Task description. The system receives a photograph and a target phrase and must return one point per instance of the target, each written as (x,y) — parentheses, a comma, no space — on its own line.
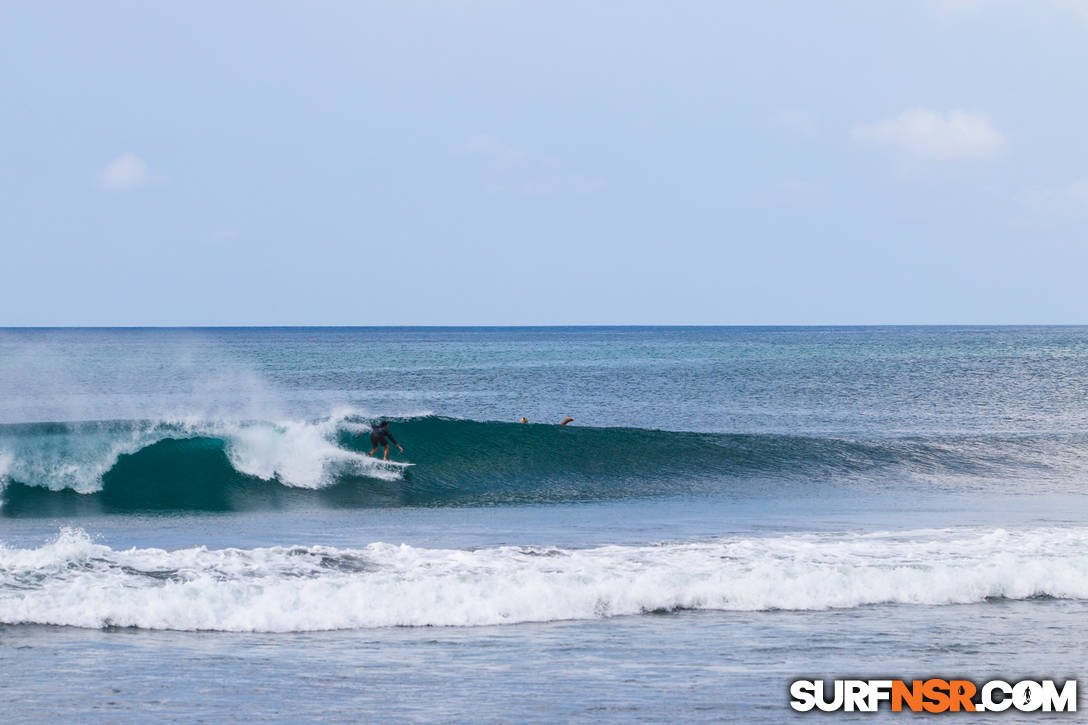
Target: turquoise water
(190,524)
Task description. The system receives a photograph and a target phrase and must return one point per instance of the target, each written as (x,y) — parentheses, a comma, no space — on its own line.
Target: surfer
(380,436)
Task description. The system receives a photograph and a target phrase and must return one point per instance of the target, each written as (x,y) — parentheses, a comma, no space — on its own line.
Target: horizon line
(281,326)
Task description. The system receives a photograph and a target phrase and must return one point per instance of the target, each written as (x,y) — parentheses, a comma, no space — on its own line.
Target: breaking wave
(75,581)
(118,466)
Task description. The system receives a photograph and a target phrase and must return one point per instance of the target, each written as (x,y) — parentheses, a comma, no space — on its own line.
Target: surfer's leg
(375,449)
(385,456)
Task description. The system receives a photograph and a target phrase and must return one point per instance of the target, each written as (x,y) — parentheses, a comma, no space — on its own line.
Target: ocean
(191,529)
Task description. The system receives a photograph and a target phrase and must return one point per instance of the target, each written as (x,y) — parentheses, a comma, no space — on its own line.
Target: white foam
(354,422)
(76,459)
(6,459)
(296,452)
(303,454)
(73,581)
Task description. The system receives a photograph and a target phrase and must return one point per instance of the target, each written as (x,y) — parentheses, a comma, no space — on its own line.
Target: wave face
(74,581)
(119,466)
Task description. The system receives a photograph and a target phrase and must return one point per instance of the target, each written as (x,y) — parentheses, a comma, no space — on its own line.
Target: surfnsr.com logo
(934,695)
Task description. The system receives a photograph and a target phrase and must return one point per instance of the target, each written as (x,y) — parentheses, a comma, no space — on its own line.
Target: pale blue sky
(544,163)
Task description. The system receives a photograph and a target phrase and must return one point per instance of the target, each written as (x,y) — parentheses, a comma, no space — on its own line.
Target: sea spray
(202,464)
(77,455)
(74,581)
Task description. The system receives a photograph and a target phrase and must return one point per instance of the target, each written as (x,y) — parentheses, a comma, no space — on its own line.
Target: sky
(493,163)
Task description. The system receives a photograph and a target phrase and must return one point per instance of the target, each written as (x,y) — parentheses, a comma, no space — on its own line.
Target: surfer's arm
(390,437)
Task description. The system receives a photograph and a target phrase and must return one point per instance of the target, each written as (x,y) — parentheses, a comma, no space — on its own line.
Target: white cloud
(963,7)
(495,151)
(127,171)
(799,121)
(799,192)
(225,234)
(1068,200)
(960,5)
(933,134)
(1080,7)
(508,168)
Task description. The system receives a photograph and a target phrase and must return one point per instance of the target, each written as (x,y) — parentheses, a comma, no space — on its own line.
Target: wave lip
(120,466)
(74,581)
(172,464)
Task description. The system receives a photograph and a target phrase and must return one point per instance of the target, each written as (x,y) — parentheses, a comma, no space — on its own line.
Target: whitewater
(76,455)
(197,464)
(76,582)
(190,522)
